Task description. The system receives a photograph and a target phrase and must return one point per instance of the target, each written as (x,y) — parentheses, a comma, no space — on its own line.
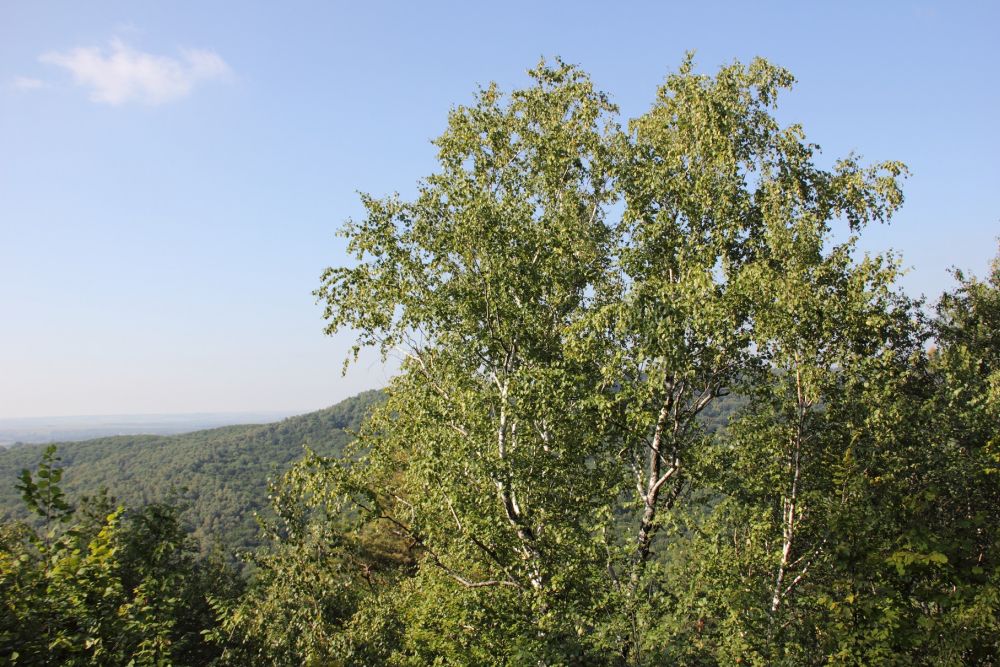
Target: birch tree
(729,282)
(489,453)
(567,298)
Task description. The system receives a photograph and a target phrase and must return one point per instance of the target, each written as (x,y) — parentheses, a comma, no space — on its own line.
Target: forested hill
(219,475)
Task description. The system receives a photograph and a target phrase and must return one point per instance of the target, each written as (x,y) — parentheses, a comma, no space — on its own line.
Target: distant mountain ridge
(219,475)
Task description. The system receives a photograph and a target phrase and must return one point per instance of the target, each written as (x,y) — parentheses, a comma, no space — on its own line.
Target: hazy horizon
(151,415)
(69,428)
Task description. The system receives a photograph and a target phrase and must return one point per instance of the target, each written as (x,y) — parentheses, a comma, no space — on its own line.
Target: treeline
(551,479)
(217,478)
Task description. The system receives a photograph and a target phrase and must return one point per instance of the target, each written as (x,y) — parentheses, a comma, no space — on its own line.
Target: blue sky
(172,174)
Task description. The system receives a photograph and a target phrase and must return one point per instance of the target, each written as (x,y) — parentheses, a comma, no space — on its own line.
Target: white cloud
(27,83)
(122,74)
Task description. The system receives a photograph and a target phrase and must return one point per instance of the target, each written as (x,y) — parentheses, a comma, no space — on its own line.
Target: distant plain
(35,430)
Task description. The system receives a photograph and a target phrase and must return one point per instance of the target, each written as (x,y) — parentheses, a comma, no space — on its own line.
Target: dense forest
(217,477)
(653,409)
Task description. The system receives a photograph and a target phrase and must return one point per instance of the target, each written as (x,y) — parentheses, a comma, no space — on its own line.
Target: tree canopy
(569,295)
